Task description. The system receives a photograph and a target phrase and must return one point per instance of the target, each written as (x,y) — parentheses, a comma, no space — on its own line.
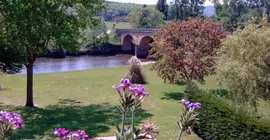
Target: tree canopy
(235,13)
(29,26)
(184,9)
(244,64)
(145,18)
(163,7)
(117,9)
(186,50)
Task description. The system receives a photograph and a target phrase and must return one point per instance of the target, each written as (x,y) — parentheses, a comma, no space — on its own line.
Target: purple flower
(60,132)
(66,134)
(185,102)
(124,84)
(13,120)
(138,91)
(191,106)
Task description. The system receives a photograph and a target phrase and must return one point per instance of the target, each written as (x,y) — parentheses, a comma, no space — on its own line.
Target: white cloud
(207,3)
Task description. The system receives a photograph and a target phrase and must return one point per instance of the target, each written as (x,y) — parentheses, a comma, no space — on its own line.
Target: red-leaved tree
(186,50)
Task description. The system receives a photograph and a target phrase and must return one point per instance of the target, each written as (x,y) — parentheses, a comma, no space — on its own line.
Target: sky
(207,3)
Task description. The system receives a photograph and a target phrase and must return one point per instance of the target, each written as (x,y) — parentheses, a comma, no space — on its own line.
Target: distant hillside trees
(145,18)
(184,9)
(117,9)
(233,14)
(163,7)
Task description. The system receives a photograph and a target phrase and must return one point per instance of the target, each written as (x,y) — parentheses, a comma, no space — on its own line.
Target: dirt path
(148,63)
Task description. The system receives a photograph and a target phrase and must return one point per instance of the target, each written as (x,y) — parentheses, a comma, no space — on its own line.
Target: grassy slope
(98,112)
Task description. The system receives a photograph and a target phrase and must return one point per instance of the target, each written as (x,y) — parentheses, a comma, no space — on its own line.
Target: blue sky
(207,3)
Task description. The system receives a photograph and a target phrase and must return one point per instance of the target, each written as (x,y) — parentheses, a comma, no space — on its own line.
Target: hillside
(118,10)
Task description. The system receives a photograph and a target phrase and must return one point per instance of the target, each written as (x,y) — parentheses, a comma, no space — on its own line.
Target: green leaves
(244,65)
(145,18)
(34,24)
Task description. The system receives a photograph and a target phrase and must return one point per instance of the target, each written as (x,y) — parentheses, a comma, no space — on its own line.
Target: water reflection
(48,65)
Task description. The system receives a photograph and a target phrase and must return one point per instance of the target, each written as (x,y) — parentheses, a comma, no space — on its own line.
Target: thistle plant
(147,130)
(135,71)
(65,134)
(9,124)
(188,118)
(131,97)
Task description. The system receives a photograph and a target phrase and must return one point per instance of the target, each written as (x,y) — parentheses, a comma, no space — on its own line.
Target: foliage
(10,60)
(31,26)
(188,118)
(145,18)
(131,97)
(163,7)
(232,14)
(95,36)
(185,9)
(186,50)
(244,64)
(9,124)
(119,9)
(135,72)
(219,119)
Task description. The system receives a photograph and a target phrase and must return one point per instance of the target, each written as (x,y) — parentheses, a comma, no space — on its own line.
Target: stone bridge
(136,40)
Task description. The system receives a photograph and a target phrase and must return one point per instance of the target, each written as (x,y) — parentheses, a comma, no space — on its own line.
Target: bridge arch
(128,43)
(144,46)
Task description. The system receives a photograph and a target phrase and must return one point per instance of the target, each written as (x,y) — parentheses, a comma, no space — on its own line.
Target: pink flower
(60,132)
(124,84)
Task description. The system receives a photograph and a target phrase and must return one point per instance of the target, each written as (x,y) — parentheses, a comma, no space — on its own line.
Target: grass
(119,25)
(54,94)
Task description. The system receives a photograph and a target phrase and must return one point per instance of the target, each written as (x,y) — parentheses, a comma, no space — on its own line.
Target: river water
(49,65)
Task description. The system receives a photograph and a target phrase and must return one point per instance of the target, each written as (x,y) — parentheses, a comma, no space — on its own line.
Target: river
(49,65)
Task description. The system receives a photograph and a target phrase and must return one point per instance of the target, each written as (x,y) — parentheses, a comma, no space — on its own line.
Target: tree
(145,18)
(244,64)
(235,13)
(31,25)
(163,7)
(184,9)
(186,50)
(10,60)
(95,36)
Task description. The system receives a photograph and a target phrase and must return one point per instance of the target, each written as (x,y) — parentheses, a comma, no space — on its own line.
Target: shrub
(186,50)
(219,120)
(244,64)
(135,72)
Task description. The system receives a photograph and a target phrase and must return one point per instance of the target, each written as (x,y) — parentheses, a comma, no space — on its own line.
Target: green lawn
(119,25)
(54,92)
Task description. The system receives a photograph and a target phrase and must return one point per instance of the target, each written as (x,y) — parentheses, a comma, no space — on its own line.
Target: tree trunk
(29,92)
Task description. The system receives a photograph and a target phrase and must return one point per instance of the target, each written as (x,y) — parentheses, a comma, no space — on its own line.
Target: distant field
(119,25)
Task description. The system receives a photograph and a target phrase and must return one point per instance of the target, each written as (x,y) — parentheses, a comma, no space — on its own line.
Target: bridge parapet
(139,30)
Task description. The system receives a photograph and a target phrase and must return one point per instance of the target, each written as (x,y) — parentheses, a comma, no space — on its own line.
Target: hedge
(221,120)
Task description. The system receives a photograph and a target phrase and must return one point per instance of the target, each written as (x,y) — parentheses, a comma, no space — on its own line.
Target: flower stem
(123,122)
(132,123)
(180,134)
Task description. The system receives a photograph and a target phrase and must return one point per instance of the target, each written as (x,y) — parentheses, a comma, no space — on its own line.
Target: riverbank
(55,93)
(107,49)
(84,62)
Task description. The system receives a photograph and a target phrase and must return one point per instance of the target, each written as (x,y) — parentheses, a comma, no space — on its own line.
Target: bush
(244,64)
(135,72)
(219,120)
